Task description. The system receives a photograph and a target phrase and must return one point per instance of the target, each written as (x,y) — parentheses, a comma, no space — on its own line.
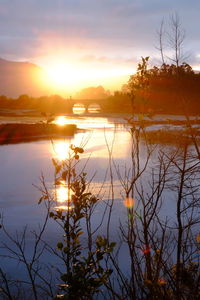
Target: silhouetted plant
(85,269)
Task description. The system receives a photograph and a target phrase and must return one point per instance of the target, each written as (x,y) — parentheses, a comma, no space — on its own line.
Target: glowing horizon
(63,77)
(88,43)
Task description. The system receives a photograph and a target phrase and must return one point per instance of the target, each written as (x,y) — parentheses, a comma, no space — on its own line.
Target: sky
(93,42)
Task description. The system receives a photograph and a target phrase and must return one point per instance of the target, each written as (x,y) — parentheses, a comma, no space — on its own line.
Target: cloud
(101,30)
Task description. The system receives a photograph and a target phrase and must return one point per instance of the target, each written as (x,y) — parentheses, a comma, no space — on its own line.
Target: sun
(62,76)
(66,77)
(59,74)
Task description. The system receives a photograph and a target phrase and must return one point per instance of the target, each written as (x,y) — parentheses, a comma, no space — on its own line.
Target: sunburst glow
(59,74)
(66,76)
(62,75)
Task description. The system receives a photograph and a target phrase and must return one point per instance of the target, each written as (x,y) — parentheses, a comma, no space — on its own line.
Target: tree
(138,85)
(93,93)
(172,40)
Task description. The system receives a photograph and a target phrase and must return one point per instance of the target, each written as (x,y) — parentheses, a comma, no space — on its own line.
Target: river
(23,164)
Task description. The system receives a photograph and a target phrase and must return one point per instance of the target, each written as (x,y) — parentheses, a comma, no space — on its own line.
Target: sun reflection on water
(61,149)
(61,120)
(85,122)
(62,207)
(93,143)
(79,109)
(62,194)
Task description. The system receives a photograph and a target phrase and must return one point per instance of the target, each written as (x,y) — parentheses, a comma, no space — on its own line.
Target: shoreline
(18,133)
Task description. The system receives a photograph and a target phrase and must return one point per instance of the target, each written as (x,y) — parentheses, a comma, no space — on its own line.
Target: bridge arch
(78,108)
(94,108)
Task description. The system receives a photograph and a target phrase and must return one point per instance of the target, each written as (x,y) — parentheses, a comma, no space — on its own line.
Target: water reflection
(78,109)
(95,142)
(60,149)
(62,194)
(61,120)
(18,200)
(62,207)
(85,122)
(94,108)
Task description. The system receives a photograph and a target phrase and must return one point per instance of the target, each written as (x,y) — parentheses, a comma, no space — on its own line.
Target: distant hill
(17,78)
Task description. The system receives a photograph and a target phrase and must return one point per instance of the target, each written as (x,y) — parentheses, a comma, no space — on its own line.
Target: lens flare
(129,202)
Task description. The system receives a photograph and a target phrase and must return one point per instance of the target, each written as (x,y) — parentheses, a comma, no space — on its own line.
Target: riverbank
(18,133)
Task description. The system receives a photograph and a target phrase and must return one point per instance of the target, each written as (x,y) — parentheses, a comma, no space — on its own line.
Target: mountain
(17,78)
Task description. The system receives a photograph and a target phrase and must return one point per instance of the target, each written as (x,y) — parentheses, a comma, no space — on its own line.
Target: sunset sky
(90,42)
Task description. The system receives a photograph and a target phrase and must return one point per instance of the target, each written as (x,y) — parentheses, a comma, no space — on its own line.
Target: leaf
(58,181)
(79,233)
(59,245)
(58,168)
(112,245)
(80,150)
(64,175)
(66,249)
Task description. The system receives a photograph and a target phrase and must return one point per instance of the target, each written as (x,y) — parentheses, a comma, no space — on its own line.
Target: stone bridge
(86,105)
